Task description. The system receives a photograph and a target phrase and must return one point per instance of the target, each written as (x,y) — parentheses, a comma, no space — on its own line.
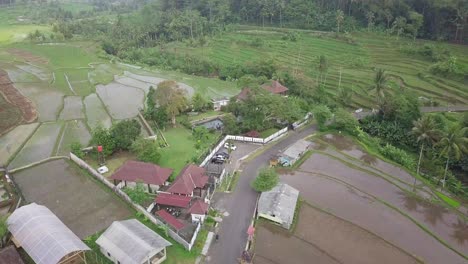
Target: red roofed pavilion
(199,210)
(190,177)
(148,173)
(173,200)
(275,88)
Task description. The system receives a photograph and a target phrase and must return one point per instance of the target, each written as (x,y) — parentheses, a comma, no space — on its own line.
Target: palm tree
(426,133)
(453,143)
(339,19)
(380,84)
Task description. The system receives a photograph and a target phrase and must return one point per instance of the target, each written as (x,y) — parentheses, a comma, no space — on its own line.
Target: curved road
(241,203)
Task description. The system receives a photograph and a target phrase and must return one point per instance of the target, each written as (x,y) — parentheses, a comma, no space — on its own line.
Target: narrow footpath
(241,204)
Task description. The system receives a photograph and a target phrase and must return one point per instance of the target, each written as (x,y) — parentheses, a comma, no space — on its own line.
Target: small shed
(131,242)
(199,210)
(9,255)
(44,237)
(218,103)
(279,204)
(295,151)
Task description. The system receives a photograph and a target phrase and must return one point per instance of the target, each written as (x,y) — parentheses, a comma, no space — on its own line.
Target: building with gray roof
(131,242)
(279,204)
(295,151)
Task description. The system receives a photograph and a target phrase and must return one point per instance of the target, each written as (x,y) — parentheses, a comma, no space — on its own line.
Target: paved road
(241,204)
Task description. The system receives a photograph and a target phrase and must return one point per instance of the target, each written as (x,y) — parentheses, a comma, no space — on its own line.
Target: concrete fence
(137,207)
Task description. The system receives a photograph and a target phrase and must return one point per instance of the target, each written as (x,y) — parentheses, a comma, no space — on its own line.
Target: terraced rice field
(48,102)
(73,108)
(73,131)
(344,180)
(121,101)
(352,63)
(40,146)
(95,112)
(11,142)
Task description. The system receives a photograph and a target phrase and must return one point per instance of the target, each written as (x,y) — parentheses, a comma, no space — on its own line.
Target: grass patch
(448,200)
(204,115)
(181,150)
(113,162)
(268,132)
(234,181)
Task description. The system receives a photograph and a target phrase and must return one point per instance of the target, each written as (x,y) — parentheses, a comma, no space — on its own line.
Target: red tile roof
(199,207)
(170,220)
(190,177)
(275,87)
(173,200)
(134,171)
(244,94)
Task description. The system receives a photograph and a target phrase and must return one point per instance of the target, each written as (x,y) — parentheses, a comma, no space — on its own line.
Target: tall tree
(322,68)
(171,98)
(426,133)
(399,25)
(454,143)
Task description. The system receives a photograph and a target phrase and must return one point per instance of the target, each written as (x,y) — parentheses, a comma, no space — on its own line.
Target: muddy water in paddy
(363,210)
(348,147)
(444,223)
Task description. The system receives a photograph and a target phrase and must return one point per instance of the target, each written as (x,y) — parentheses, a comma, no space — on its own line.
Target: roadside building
(190,182)
(279,205)
(131,242)
(44,237)
(9,255)
(151,175)
(275,87)
(198,211)
(294,152)
(218,103)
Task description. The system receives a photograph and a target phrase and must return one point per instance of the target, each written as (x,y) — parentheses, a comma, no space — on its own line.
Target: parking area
(81,203)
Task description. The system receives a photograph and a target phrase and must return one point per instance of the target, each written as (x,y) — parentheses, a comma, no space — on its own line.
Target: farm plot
(40,73)
(28,56)
(48,102)
(352,205)
(74,131)
(326,239)
(96,113)
(443,222)
(17,75)
(10,115)
(11,142)
(73,108)
(40,146)
(121,101)
(74,81)
(154,81)
(79,201)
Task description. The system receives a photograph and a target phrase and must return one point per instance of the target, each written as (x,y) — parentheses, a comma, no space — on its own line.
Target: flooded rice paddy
(74,131)
(95,112)
(121,101)
(13,140)
(48,102)
(320,237)
(375,195)
(72,109)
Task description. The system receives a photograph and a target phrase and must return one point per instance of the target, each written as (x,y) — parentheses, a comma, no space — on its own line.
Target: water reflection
(460,232)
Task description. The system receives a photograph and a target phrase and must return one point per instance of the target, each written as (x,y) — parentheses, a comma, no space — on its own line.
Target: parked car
(230,146)
(218,159)
(223,153)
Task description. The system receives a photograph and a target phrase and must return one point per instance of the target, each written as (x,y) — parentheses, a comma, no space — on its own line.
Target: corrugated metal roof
(297,149)
(131,242)
(42,235)
(280,202)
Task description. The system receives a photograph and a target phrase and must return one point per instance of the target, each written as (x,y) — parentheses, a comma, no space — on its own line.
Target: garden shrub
(398,155)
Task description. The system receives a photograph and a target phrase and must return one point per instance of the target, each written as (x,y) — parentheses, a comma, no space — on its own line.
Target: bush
(266,180)
(345,121)
(147,150)
(398,155)
(137,194)
(102,137)
(321,113)
(76,148)
(124,133)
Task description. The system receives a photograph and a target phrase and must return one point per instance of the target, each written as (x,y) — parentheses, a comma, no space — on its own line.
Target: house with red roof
(245,93)
(275,87)
(199,210)
(191,181)
(151,175)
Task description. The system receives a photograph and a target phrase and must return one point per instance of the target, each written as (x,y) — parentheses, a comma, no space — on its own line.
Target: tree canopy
(172,98)
(265,181)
